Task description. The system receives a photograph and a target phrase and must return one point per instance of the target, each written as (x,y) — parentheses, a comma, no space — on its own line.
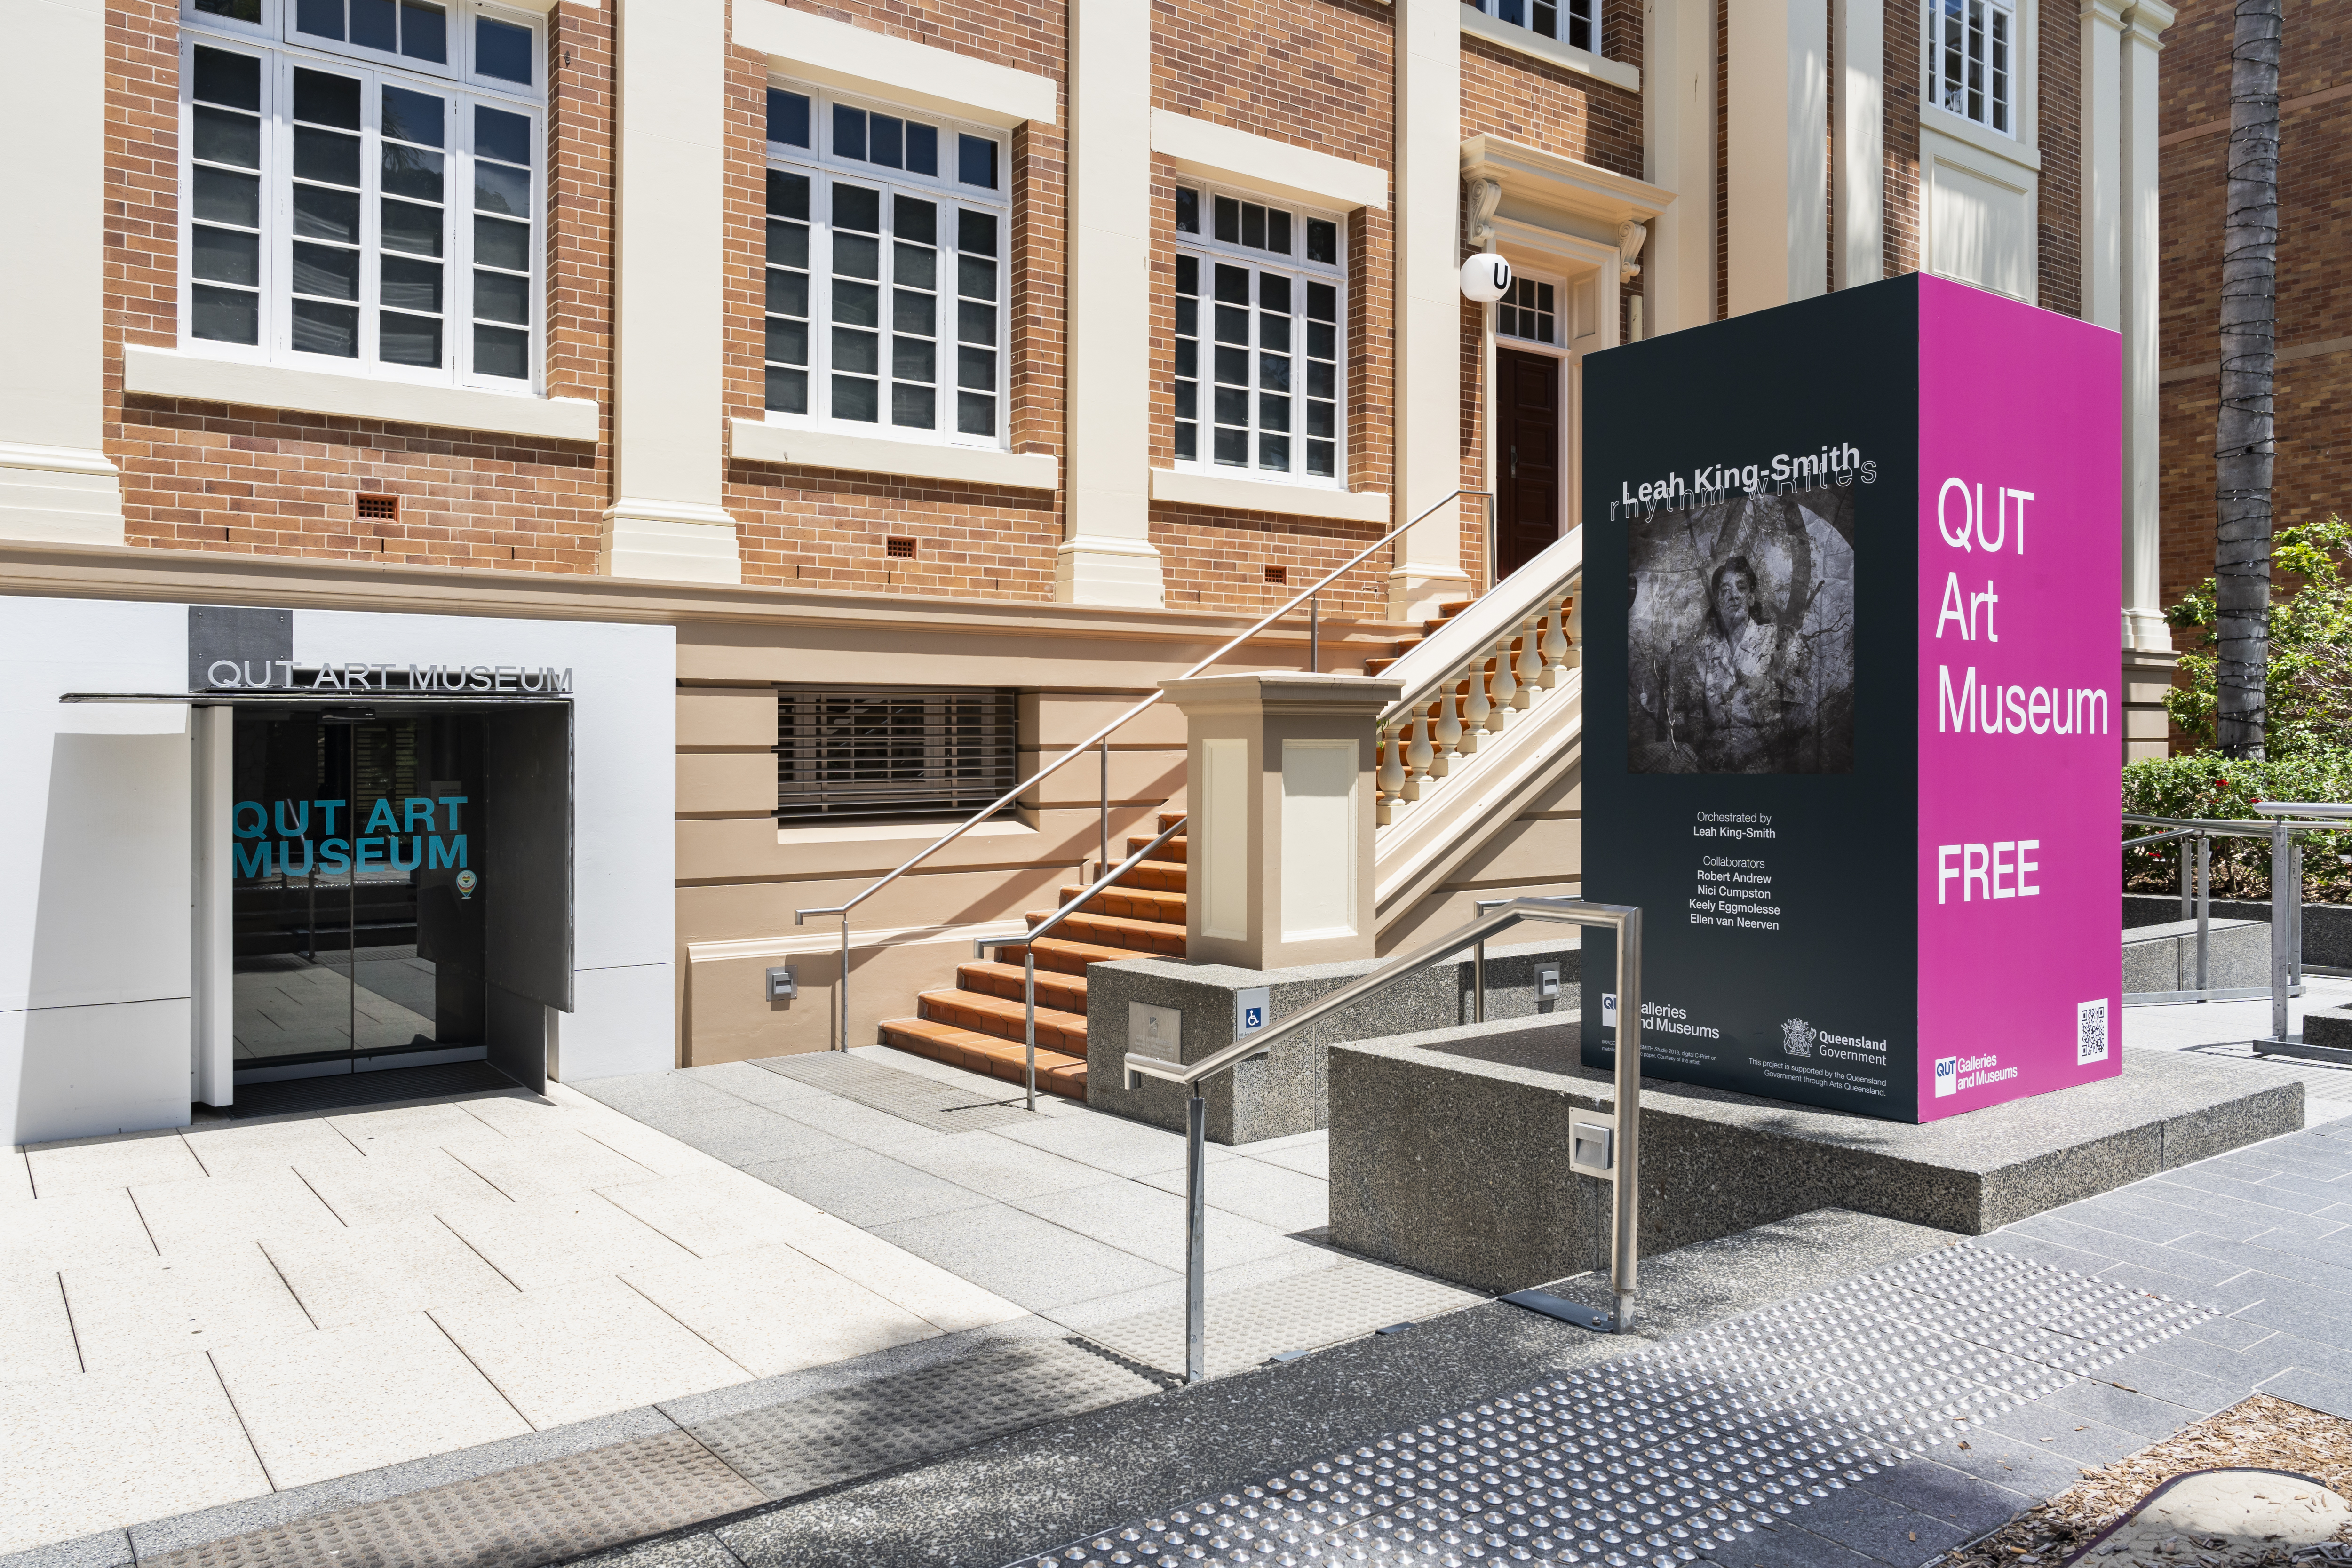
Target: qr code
(2090,1031)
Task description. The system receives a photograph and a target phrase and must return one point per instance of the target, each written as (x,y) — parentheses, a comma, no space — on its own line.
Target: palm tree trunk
(2243,444)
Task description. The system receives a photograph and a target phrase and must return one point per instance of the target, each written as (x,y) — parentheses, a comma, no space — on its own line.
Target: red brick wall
(200,475)
(2058,132)
(2312,397)
(819,527)
(1317,75)
(1902,134)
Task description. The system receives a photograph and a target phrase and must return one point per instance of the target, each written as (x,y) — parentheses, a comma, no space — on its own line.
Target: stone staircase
(1445,612)
(979,1025)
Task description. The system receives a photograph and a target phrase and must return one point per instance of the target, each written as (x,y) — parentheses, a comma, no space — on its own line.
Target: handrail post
(2279,930)
(1314,635)
(844,987)
(2204,908)
(1625,1224)
(1105,803)
(1478,982)
(1029,994)
(1196,1240)
(2188,904)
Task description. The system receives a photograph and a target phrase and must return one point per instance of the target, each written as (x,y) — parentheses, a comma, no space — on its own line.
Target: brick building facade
(888,349)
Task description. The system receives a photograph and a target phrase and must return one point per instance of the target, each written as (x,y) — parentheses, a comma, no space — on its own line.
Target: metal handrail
(980,945)
(1102,737)
(1621,1127)
(2286,898)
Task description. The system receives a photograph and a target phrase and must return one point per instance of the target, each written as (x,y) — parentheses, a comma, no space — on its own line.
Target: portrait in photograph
(1741,637)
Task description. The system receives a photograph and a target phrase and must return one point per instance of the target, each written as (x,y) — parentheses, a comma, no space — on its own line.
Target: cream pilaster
(1861,143)
(2143,582)
(1107,556)
(668,519)
(56,483)
(1428,305)
(1776,127)
(2102,177)
(1678,153)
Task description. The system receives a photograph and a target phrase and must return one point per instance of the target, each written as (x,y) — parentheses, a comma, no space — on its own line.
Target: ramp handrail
(980,945)
(1102,738)
(1620,1129)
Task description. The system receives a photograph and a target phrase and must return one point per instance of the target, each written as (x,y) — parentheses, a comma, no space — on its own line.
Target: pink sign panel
(2019,708)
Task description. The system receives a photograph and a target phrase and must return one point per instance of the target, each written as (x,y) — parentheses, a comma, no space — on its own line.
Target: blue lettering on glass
(368,853)
(415,854)
(413,806)
(327,808)
(286,865)
(253,861)
(381,819)
(260,819)
(334,856)
(453,802)
(443,852)
(301,818)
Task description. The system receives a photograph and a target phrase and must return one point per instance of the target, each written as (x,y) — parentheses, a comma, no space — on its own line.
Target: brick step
(1140,939)
(1130,904)
(1374,665)
(1170,853)
(1066,992)
(1453,607)
(1169,819)
(1062,955)
(1057,1073)
(1163,875)
(1004,1018)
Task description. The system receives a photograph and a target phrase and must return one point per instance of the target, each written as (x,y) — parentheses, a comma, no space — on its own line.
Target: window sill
(758,441)
(1273,496)
(167,372)
(1960,128)
(1552,51)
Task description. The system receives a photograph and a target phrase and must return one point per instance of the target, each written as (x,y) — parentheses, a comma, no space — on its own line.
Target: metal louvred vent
(849,751)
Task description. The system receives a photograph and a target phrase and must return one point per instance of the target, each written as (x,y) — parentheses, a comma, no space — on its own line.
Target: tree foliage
(2211,786)
(2308,697)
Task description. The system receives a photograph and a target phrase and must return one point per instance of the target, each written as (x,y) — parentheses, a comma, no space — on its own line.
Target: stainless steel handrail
(2286,897)
(980,945)
(1622,1123)
(1102,736)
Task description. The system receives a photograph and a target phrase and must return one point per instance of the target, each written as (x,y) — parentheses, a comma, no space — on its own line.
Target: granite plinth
(1449,1151)
(1282,1092)
(2327,928)
(2164,957)
(2329,1026)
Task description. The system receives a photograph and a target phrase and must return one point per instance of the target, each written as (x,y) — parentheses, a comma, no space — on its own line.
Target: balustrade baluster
(1417,754)
(1530,663)
(1449,734)
(1504,690)
(1474,709)
(1555,644)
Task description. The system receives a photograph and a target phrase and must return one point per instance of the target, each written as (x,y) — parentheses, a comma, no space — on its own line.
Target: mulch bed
(2260,1433)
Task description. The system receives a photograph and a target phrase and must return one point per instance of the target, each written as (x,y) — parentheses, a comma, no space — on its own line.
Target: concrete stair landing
(981,1025)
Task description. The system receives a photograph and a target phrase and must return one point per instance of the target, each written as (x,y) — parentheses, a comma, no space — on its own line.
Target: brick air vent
(1280,574)
(386,508)
(902,548)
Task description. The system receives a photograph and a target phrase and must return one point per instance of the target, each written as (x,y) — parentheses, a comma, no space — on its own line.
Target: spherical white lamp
(1486,277)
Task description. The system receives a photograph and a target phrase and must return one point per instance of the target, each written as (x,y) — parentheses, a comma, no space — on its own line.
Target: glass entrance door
(358,939)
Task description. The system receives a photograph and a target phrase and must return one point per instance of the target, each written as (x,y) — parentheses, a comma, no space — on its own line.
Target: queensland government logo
(1797,1037)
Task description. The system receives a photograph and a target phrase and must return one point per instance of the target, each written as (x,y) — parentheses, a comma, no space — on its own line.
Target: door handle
(1514,460)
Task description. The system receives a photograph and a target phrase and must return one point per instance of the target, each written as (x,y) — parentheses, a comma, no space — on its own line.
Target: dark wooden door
(1527,451)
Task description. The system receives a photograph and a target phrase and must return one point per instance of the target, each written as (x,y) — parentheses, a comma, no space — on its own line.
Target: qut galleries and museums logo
(1797,1037)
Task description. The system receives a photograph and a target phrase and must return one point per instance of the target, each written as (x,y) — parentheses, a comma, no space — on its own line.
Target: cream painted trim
(167,372)
(1576,251)
(888,832)
(1552,51)
(761,441)
(1185,489)
(835,53)
(807,943)
(1960,128)
(547,8)
(1277,168)
(1580,189)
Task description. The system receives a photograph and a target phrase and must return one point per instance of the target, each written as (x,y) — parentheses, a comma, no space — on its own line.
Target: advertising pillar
(1852,725)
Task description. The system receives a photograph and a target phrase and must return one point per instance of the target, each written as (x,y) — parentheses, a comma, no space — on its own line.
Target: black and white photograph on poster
(1740,637)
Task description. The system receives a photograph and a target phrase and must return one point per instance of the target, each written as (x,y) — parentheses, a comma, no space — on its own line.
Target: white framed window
(362,188)
(1261,299)
(1972,60)
(1529,312)
(887,238)
(1570,21)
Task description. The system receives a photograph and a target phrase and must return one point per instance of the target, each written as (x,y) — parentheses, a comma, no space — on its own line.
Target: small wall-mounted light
(1486,277)
(782,986)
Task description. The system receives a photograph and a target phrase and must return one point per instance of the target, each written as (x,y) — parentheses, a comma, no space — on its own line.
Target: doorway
(1526,453)
(358,939)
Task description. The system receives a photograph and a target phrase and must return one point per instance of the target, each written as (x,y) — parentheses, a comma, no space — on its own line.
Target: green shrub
(2205,784)
(2308,702)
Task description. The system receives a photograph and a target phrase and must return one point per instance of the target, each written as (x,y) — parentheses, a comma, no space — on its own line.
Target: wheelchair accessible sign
(1251,1008)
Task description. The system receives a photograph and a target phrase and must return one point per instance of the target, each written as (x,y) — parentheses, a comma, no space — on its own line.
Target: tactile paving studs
(1674,1450)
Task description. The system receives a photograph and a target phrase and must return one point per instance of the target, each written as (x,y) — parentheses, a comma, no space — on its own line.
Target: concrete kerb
(2327,928)
(1284,1092)
(1447,1153)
